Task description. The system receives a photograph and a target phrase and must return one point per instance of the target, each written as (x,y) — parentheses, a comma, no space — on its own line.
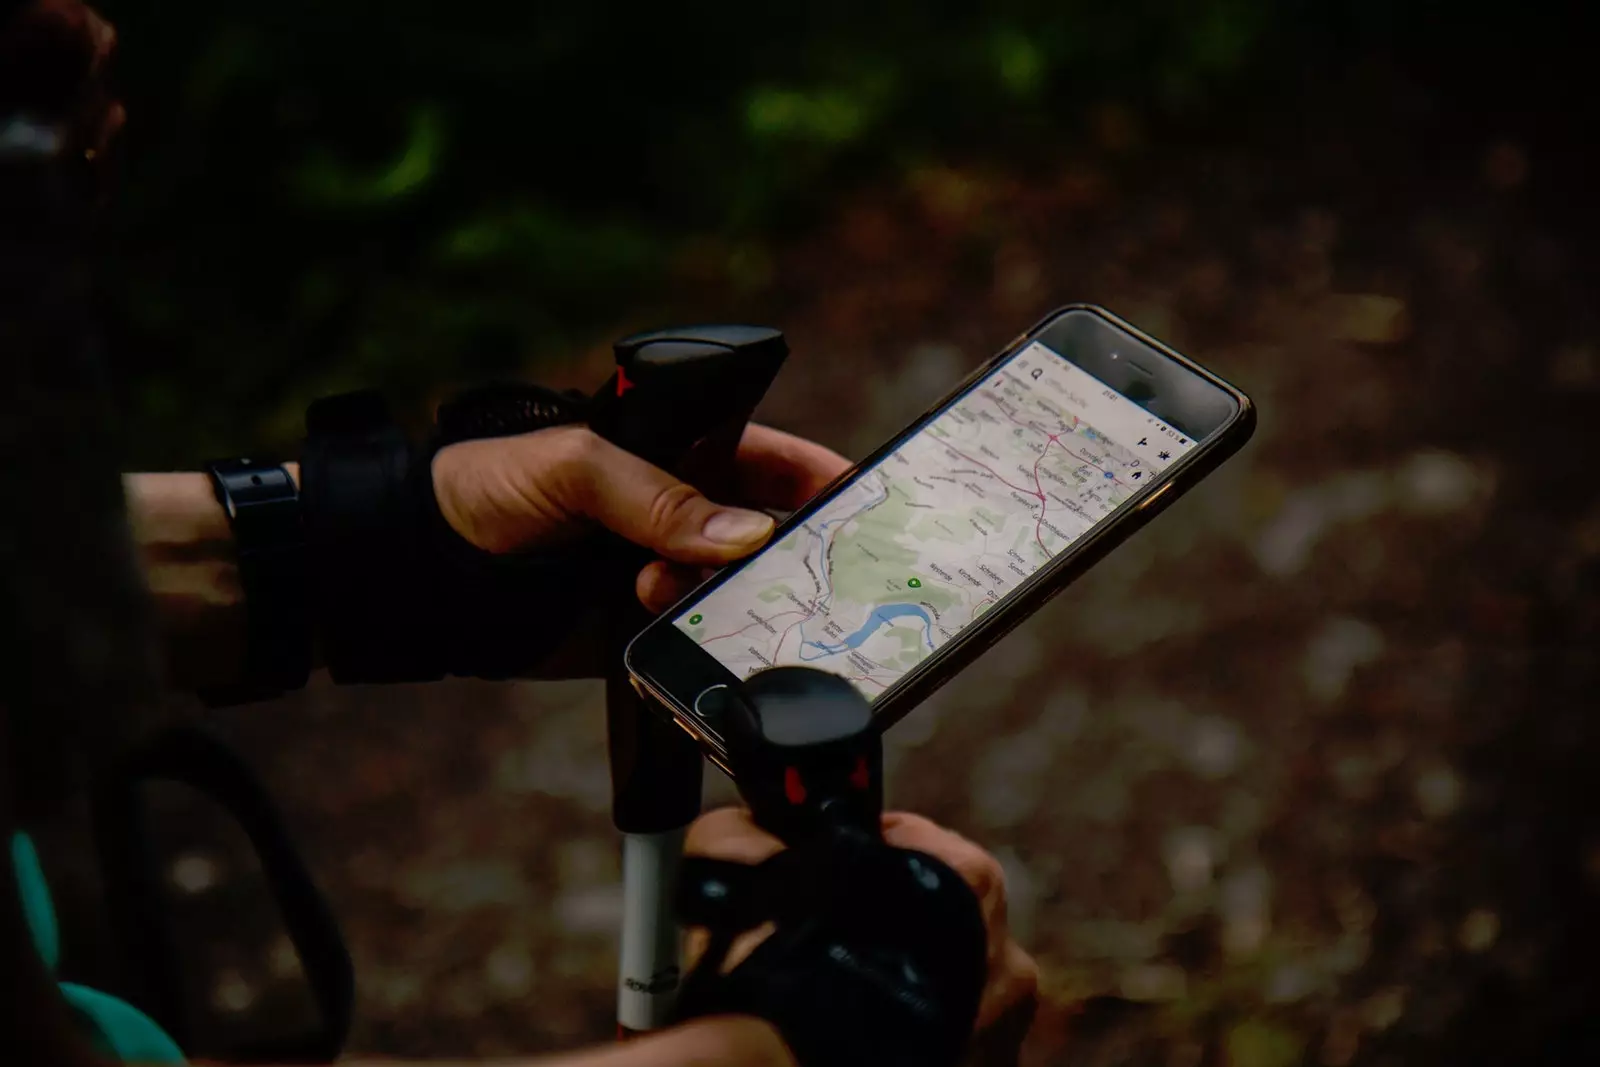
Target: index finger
(779,470)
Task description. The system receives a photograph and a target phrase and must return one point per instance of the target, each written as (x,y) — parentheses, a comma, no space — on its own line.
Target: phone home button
(711,704)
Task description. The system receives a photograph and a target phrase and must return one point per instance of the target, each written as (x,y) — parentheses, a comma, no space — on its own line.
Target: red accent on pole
(793,787)
(623,385)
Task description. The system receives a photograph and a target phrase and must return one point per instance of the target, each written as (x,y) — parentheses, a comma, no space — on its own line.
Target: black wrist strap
(263,508)
(397,594)
(371,592)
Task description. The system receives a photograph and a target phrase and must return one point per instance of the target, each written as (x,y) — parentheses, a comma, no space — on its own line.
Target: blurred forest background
(1301,775)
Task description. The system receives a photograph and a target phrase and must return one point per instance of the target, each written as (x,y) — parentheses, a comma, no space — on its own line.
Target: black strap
(372,593)
(399,595)
(262,503)
(505,409)
(131,869)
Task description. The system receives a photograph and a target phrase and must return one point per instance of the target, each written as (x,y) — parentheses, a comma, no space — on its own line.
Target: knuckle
(730,834)
(906,829)
(670,505)
(570,449)
(1028,975)
(565,460)
(1022,973)
(981,871)
(985,874)
(715,826)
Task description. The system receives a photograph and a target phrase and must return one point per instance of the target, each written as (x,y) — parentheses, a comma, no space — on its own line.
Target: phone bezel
(669,667)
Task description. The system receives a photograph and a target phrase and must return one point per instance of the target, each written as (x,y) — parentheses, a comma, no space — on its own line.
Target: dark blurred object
(55,63)
(140,909)
(79,653)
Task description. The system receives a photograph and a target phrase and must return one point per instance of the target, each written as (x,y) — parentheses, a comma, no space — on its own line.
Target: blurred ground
(1299,775)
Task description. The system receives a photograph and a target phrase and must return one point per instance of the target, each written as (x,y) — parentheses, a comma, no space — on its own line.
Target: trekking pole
(877,954)
(674,392)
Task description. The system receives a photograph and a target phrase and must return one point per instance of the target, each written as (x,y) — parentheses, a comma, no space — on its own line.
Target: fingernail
(735,527)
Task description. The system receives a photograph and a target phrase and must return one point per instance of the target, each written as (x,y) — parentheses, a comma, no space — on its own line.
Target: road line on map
(1038,526)
(736,633)
(986,467)
(1064,448)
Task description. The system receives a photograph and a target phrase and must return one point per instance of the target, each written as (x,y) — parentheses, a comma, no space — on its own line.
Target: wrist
(191,565)
(186,549)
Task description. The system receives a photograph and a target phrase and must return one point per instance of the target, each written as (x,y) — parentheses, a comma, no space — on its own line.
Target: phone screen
(941,530)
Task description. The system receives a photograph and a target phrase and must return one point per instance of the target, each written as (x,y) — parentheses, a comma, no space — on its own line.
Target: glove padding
(879,958)
(400,596)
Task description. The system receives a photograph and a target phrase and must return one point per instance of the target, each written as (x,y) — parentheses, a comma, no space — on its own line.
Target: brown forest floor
(1296,776)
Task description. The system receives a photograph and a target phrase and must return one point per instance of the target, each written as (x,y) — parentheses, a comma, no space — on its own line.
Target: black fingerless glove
(397,595)
(879,957)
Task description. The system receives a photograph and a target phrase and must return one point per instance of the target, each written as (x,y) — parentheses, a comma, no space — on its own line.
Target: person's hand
(1013,984)
(512,494)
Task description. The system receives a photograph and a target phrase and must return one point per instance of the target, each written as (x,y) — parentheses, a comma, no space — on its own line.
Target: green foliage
(826,116)
(322,181)
(1020,62)
(407,194)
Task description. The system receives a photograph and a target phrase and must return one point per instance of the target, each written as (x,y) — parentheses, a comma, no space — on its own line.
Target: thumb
(651,508)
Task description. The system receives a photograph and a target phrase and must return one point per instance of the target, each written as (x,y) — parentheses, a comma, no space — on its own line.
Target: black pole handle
(674,392)
(675,388)
(807,754)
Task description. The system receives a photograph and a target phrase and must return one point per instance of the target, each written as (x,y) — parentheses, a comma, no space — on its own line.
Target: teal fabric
(36,906)
(116,1028)
(119,1030)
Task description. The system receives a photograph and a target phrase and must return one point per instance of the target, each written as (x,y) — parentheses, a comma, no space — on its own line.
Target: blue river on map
(878,617)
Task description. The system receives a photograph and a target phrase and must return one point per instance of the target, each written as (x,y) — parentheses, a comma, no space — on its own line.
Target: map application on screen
(941,530)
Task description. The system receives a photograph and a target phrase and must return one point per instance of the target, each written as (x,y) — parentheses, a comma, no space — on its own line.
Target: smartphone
(935,546)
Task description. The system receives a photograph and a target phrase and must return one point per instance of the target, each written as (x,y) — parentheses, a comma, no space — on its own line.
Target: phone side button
(1155,496)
